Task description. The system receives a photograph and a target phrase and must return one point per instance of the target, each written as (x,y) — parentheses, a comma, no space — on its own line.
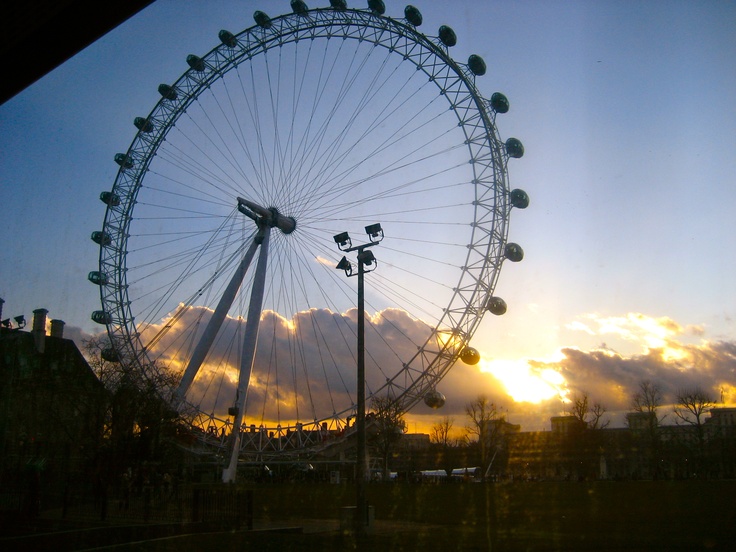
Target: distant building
(413,441)
(643,450)
(640,422)
(722,418)
(566,425)
(502,428)
(53,407)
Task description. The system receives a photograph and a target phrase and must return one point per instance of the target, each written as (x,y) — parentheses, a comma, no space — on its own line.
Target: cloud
(78,335)
(667,359)
(665,353)
(638,327)
(666,356)
(310,359)
(305,367)
(577,325)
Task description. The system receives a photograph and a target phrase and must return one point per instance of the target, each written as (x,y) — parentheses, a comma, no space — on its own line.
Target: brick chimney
(39,329)
(57,328)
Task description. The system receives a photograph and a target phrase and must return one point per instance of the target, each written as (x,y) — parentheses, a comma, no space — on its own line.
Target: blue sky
(626,110)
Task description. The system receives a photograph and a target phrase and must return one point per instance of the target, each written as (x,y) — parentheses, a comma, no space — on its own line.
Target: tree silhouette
(644,422)
(138,409)
(691,405)
(440,431)
(484,423)
(440,436)
(648,399)
(690,408)
(590,416)
(386,426)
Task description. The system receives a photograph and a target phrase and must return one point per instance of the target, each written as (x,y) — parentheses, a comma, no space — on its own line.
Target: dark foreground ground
(545,516)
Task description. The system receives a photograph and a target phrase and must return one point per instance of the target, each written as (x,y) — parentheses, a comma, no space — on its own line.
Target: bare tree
(645,422)
(484,424)
(440,432)
(579,408)
(109,373)
(386,426)
(596,417)
(440,436)
(647,399)
(137,407)
(690,408)
(589,416)
(691,405)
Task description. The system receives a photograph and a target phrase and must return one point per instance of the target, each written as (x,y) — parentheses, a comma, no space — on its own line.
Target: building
(643,450)
(721,419)
(413,441)
(566,425)
(53,409)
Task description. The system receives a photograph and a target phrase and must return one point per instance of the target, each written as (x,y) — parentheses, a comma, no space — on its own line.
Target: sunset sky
(626,111)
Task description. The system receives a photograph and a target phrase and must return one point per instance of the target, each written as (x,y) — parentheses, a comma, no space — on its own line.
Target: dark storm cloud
(307,360)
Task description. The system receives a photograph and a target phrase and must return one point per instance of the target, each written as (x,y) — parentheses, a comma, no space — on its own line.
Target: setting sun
(524,383)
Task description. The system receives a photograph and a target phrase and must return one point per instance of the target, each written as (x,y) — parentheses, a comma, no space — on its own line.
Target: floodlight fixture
(20,321)
(343,240)
(345,265)
(366,257)
(375,232)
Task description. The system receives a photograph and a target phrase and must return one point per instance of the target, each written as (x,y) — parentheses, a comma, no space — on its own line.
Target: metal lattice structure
(299,55)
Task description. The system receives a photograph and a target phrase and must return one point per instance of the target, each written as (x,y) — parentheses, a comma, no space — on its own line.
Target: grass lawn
(647,516)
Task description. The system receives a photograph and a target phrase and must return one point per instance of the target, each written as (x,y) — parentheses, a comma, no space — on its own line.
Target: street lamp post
(366,263)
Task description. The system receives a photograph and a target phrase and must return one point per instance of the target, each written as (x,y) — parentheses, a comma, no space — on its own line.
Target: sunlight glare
(523,383)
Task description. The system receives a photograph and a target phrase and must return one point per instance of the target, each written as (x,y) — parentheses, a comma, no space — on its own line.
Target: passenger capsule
(98,278)
(101,317)
(413,15)
(110,199)
(227,38)
(167,92)
(299,7)
(143,124)
(476,65)
(514,148)
(434,399)
(513,252)
(496,306)
(195,62)
(519,198)
(499,103)
(377,6)
(470,356)
(339,4)
(110,354)
(101,238)
(123,160)
(262,20)
(447,36)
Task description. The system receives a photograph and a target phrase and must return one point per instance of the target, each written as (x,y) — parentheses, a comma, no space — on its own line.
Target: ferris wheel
(227,233)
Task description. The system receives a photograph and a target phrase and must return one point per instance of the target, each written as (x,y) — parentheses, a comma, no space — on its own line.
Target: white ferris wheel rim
(485,154)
